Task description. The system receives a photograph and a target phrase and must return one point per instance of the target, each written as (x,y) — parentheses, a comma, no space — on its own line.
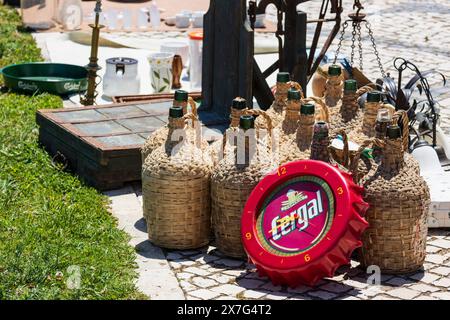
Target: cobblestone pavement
(206,274)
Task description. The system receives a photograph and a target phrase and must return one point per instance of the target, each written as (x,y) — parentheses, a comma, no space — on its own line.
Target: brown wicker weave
(231,184)
(399,200)
(320,142)
(216,147)
(350,116)
(275,112)
(296,134)
(158,137)
(333,91)
(176,193)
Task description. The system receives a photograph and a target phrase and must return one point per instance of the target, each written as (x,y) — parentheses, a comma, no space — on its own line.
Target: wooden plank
(227,53)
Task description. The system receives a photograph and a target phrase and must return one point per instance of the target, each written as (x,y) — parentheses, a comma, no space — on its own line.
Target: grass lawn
(51,225)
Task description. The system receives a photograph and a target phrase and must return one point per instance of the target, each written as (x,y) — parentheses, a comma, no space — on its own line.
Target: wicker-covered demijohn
(244,164)
(176,189)
(399,199)
(157,138)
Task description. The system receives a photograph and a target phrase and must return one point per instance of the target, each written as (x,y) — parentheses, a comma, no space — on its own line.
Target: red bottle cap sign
(302,222)
(296,216)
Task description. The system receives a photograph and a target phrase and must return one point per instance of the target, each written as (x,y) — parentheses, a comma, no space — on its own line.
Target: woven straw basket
(399,200)
(231,185)
(176,195)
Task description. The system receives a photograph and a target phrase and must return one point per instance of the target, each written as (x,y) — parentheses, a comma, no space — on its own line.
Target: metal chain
(375,50)
(353,46)
(360,47)
(341,40)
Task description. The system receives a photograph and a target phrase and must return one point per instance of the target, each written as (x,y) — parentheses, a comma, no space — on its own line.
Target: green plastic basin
(56,78)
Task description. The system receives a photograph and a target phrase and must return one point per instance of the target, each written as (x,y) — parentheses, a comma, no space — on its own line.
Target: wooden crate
(102,144)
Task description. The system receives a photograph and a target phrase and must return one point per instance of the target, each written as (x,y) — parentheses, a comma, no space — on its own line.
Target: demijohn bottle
(176,189)
(399,199)
(244,164)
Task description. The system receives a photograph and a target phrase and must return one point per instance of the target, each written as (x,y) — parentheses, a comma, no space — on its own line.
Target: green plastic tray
(57,78)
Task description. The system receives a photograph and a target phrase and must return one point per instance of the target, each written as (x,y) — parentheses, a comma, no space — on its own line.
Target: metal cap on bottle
(321,130)
(181,96)
(294,94)
(176,112)
(239,103)
(247,122)
(394,132)
(334,70)
(350,85)
(308,109)
(374,96)
(283,77)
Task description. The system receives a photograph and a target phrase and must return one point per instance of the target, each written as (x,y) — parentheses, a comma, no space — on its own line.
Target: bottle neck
(176,123)
(291,117)
(281,96)
(235,117)
(305,131)
(350,107)
(319,146)
(370,118)
(333,90)
(245,150)
(182,104)
(393,156)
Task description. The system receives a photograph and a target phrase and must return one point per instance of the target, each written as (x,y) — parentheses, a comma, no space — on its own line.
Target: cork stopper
(294,94)
(308,109)
(334,70)
(176,112)
(283,77)
(239,103)
(394,132)
(374,96)
(181,96)
(350,85)
(247,122)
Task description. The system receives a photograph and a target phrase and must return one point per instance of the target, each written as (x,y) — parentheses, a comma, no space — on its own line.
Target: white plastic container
(427,157)
(196,53)
(121,77)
